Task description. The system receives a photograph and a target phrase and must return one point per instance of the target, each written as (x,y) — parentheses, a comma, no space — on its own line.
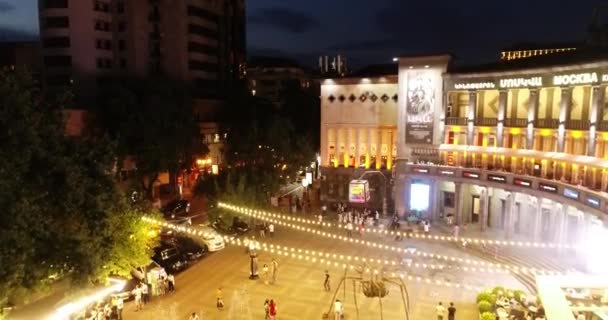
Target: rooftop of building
(272,62)
(539,46)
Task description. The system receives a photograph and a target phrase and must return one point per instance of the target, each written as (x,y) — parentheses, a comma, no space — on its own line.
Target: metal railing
(578,124)
(486,122)
(602,126)
(456,121)
(547,123)
(520,123)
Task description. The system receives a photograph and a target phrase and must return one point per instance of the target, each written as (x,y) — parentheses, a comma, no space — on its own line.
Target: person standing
(440,310)
(451,311)
(265,273)
(137,295)
(144,293)
(263,230)
(119,306)
(324,209)
(271,230)
(326,284)
(266,309)
(349,229)
(171,282)
(456,231)
(427,227)
(320,219)
(219,299)
(274,269)
(272,310)
(193,316)
(337,310)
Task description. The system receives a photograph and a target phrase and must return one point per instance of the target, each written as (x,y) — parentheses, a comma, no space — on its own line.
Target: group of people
(266,227)
(270,309)
(270,274)
(356,220)
(107,309)
(440,310)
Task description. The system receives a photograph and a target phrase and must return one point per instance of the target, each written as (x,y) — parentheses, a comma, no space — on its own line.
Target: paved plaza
(299,290)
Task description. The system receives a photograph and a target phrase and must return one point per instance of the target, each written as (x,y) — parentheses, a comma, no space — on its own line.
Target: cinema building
(519,146)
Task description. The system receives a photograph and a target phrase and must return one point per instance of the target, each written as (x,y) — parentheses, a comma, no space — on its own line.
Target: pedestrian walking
(427,227)
(340,217)
(171,282)
(137,295)
(119,306)
(144,293)
(265,273)
(219,299)
(326,284)
(337,310)
(450,218)
(274,270)
(320,218)
(272,310)
(266,309)
(271,230)
(193,316)
(440,310)
(456,231)
(162,286)
(451,311)
(349,229)
(263,230)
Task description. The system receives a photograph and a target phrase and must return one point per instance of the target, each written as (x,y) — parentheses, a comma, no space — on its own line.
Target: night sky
(373,31)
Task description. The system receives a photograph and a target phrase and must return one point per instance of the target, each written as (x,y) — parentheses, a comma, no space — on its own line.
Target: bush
(499,290)
(488,316)
(487,296)
(519,295)
(484,306)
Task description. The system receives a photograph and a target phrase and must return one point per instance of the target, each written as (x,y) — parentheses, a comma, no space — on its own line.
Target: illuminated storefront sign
(572,194)
(594,202)
(495,178)
(521,82)
(420,170)
(470,175)
(576,78)
(422,91)
(474,85)
(358,191)
(547,187)
(522,183)
(419,199)
(446,172)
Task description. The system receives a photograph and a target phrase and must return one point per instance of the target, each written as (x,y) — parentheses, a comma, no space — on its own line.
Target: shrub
(488,316)
(519,295)
(484,296)
(484,306)
(498,290)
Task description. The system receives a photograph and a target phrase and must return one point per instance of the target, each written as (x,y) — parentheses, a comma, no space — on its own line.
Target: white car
(211,239)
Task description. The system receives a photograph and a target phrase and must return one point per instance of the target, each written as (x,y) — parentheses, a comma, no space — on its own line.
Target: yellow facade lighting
(456,128)
(515,131)
(545,132)
(576,134)
(484,129)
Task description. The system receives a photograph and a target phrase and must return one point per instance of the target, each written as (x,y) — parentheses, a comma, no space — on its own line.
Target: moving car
(170,258)
(176,209)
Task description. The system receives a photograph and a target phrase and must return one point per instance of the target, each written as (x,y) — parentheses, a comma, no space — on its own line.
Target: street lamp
(253,274)
(384,203)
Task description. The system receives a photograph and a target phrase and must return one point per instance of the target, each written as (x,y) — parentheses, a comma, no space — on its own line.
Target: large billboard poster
(358,191)
(419,107)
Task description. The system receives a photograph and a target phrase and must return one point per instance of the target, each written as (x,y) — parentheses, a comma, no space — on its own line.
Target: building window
(56,22)
(121,45)
(202,66)
(101,6)
(104,63)
(103,44)
(194,11)
(202,31)
(58,61)
(120,7)
(122,26)
(123,63)
(56,4)
(202,48)
(56,42)
(101,25)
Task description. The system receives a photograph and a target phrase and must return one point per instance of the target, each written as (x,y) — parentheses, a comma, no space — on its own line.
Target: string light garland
(416,252)
(491,242)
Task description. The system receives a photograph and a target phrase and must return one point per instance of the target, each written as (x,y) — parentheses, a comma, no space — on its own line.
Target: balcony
(602,126)
(487,122)
(577,124)
(517,123)
(453,121)
(547,123)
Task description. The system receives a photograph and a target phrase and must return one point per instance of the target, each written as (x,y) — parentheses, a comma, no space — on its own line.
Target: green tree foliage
(488,316)
(61,210)
(152,121)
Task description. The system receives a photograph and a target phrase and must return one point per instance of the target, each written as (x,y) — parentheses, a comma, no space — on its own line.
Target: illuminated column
(471,117)
(357,147)
(435,198)
(564,115)
(510,207)
(458,203)
(532,114)
(536,230)
(500,127)
(389,156)
(324,145)
(378,149)
(560,222)
(594,115)
(483,203)
(368,150)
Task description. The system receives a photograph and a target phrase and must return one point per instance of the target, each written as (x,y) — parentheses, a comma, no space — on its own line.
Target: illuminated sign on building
(470,175)
(474,85)
(523,183)
(594,202)
(420,170)
(521,82)
(576,78)
(422,94)
(495,178)
(358,191)
(547,187)
(572,194)
(446,172)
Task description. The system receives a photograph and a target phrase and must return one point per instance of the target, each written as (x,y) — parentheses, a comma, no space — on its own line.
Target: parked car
(170,258)
(239,226)
(126,293)
(176,209)
(211,239)
(223,228)
(187,246)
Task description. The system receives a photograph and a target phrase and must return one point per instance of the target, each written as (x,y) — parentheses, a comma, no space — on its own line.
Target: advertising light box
(358,191)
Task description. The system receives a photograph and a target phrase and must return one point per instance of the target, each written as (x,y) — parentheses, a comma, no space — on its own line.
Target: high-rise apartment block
(201,42)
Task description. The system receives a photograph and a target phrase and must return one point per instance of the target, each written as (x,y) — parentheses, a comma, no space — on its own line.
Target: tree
(61,209)
(152,121)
